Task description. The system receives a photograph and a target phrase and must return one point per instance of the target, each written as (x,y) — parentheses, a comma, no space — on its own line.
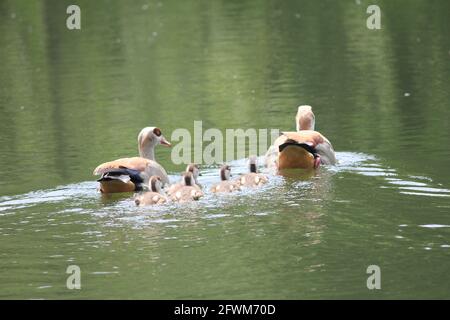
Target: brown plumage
(305,148)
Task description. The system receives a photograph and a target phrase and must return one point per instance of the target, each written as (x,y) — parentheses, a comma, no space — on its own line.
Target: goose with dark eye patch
(154,196)
(253,178)
(189,191)
(303,149)
(144,166)
(225,185)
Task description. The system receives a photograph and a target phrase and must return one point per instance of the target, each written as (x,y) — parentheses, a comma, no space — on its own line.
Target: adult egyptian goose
(305,149)
(225,184)
(253,178)
(132,174)
(194,169)
(189,191)
(154,196)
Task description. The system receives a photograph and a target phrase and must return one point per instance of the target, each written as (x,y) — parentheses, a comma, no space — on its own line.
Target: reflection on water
(89,229)
(71,100)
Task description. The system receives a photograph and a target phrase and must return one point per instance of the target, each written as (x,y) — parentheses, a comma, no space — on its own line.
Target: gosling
(253,178)
(194,169)
(154,196)
(225,184)
(189,191)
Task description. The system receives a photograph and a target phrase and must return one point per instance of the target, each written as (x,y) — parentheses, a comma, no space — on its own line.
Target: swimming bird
(189,191)
(253,178)
(154,196)
(226,185)
(194,169)
(305,148)
(132,174)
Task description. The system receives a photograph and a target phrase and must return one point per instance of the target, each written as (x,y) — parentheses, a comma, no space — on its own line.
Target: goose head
(225,172)
(305,119)
(155,184)
(148,139)
(252,164)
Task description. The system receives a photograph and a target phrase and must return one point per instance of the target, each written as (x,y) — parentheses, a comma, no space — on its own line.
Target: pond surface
(70,100)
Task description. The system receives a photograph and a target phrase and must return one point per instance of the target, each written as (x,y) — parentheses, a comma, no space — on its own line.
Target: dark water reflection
(70,100)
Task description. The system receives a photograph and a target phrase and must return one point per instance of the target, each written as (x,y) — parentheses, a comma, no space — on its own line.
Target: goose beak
(164,142)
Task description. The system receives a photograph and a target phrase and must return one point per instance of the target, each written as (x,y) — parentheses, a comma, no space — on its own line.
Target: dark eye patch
(157,131)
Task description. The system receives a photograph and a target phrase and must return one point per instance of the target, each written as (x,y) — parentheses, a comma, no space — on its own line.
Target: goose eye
(157,131)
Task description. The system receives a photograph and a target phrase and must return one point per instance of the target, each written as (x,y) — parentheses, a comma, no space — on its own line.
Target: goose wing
(149,167)
(135,163)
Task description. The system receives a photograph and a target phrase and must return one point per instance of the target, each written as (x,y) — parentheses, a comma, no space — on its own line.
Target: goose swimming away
(189,191)
(154,196)
(131,174)
(305,148)
(253,178)
(225,184)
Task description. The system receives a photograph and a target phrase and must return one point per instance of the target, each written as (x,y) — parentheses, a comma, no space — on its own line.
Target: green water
(70,100)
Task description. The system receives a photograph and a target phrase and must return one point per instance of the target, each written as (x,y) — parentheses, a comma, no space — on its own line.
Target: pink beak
(164,142)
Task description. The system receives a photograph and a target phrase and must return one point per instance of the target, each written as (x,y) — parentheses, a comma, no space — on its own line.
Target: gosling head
(194,169)
(188,179)
(252,163)
(155,184)
(305,119)
(225,172)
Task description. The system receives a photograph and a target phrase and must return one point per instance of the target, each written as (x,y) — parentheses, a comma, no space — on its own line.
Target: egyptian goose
(253,178)
(194,169)
(305,149)
(132,174)
(154,196)
(189,191)
(225,184)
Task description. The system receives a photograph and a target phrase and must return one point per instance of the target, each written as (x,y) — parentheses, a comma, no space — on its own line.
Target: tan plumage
(152,197)
(189,191)
(253,178)
(148,138)
(305,118)
(148,167)
(194,169)
(225,185)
